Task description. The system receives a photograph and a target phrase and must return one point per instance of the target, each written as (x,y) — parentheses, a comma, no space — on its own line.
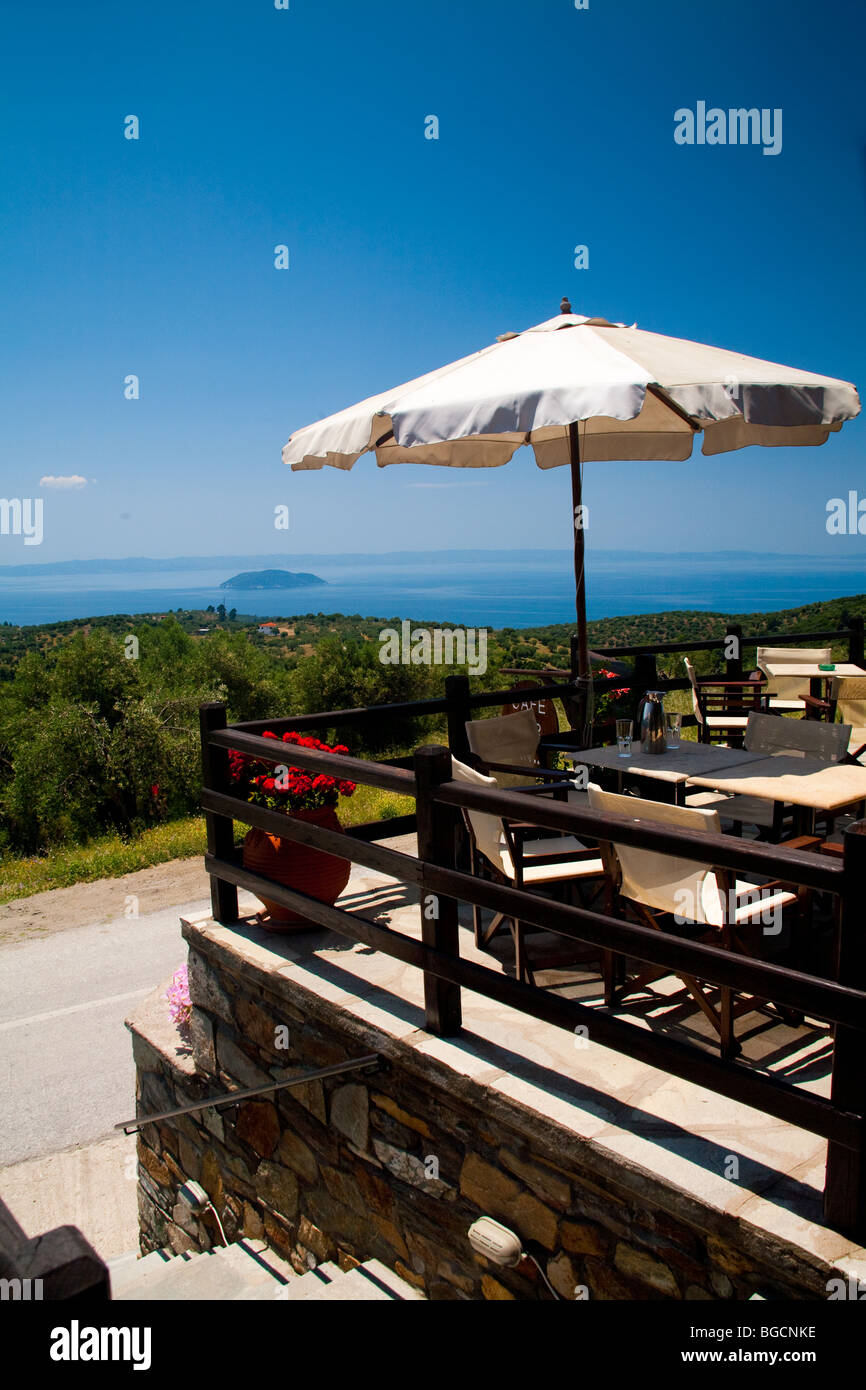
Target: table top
(674,765)
(795,781)
(809,668)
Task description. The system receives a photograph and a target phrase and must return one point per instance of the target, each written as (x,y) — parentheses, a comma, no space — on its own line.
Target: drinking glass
(623,738)
(674,725)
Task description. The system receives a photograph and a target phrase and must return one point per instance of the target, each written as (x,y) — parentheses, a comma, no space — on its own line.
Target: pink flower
(177,994)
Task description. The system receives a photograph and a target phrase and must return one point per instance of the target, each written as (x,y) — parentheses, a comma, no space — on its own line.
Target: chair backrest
(487,830)
(686,887)
(791,687)
(797,655)
(508,738)
(799,738)
(693,680)
(850,694)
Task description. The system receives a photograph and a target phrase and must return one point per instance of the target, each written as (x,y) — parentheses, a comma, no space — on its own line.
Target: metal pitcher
(651,722)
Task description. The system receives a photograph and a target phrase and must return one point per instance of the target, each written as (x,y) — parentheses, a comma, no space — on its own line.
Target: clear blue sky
(306,127)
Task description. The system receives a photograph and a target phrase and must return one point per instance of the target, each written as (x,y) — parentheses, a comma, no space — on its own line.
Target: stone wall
(397,1165)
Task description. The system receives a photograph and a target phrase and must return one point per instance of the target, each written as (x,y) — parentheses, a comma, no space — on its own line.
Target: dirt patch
(162,885)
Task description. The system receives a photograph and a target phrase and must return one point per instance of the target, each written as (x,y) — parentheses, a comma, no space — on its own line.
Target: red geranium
(286,788)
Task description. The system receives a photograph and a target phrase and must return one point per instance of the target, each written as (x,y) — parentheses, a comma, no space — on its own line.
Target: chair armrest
(802,842)
(522,769)
(536,790)
(747,684)
(813,702)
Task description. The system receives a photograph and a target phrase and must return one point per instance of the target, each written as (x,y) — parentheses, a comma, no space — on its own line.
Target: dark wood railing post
(576,705)
(439,926)
(734,661)
(459,710)
(645,678)
(845,1189)
(855,641)
(220,829)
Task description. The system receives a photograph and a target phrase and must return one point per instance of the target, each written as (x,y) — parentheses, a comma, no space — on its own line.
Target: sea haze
(492,589)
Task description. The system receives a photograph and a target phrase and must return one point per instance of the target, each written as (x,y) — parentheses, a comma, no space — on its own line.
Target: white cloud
(72,480)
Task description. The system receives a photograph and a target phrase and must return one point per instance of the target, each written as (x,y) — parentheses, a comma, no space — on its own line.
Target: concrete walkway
(66,1070)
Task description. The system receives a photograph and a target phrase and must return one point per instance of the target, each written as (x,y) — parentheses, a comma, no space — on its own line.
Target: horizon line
(461,551)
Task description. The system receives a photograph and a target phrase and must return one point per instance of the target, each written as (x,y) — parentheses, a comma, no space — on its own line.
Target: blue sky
(306,127)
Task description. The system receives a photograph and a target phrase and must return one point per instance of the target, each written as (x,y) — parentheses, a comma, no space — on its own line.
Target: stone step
(371,1282)
(400,1288)
(312,1283)
(246,1269)
(249,1270)
(134,1269)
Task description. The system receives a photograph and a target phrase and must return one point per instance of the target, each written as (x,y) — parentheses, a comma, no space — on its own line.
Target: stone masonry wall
(396,1166)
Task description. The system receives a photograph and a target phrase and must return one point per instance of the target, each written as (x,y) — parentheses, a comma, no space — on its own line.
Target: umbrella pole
(583,675)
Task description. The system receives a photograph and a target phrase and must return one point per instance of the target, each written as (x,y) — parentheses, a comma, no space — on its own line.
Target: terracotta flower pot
(311,871)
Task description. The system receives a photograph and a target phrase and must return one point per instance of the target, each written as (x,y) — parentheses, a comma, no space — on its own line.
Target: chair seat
(781,897)
(727,721)
(750,810)
(551,873)
(751,906)
(790,705)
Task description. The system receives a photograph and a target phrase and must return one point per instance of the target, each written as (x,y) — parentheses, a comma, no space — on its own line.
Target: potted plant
(610,705)
(305,796)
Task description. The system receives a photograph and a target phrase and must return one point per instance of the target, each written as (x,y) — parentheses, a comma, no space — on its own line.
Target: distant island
(272,579)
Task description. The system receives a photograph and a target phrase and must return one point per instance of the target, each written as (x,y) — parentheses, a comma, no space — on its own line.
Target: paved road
(66,1072)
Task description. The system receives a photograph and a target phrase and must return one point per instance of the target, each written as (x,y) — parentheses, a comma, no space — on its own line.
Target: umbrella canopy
(579,389)
(635,395)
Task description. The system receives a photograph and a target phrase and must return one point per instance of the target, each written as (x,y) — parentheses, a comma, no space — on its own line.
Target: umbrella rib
(661,395)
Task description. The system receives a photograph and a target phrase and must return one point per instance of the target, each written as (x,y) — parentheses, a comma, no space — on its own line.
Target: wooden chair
(848,698)
(722,911)
(722,707)
(504,850)
(772,734)
(507,748)
(788,695)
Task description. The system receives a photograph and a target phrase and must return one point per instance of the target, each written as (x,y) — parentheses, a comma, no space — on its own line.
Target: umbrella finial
(565,306)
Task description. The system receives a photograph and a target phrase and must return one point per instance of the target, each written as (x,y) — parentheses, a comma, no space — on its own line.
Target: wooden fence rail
(841,1118)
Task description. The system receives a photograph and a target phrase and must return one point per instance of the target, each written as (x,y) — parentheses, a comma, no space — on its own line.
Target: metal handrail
(371,1062)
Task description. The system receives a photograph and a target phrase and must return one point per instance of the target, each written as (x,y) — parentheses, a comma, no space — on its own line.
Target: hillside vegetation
(99,718)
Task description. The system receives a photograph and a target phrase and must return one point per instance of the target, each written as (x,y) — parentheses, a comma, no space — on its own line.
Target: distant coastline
(141,564)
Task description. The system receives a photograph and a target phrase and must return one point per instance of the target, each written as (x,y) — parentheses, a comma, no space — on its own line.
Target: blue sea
(522,589)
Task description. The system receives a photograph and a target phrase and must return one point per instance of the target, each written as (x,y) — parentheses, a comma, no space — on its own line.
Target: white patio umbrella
(579,389)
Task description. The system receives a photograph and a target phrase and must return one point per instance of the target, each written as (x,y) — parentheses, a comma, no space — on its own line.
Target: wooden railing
(840,1118)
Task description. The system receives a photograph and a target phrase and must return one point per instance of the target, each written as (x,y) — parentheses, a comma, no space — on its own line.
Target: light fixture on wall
(502,1246)
(192,1195)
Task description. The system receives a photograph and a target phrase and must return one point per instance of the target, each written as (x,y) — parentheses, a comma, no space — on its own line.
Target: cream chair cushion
(486,828)
(509,738)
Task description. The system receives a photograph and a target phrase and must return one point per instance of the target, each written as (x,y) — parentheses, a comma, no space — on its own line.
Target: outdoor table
(803,782)
(675,767)
(811,669)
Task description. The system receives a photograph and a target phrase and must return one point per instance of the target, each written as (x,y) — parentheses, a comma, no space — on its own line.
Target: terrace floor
(726,1155)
